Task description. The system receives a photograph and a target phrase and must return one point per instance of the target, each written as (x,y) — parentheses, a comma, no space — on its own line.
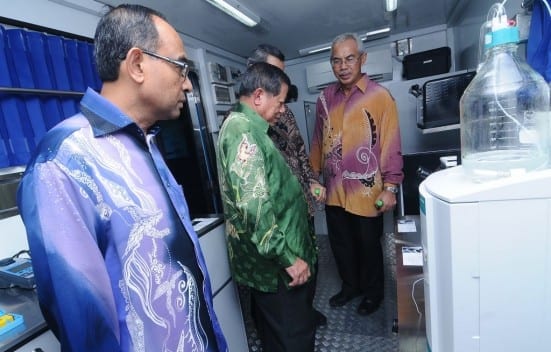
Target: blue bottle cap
(504,36)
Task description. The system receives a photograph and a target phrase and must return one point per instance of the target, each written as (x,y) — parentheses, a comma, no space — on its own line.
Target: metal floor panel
(346,331)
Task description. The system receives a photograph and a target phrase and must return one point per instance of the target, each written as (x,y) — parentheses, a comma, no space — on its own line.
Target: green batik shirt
(267,221)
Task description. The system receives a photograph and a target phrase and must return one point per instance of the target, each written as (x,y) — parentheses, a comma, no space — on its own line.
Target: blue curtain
(538,48)
(34,60)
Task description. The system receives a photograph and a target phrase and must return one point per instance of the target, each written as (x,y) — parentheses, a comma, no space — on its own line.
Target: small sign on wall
(403,46)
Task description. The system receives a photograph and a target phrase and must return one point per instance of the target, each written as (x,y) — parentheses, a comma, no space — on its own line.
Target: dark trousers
(356,244)
(285,319)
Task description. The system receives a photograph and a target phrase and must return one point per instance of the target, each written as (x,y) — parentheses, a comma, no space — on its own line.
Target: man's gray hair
(346,36)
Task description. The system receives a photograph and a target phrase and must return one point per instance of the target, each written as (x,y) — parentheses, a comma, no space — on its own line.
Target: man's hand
(388,199)
(317,191)
(299,272)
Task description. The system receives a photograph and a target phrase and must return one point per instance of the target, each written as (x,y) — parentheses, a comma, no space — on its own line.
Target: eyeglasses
(183,66)
(348,61)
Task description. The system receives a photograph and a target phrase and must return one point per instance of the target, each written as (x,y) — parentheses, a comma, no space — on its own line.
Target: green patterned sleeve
(248,192)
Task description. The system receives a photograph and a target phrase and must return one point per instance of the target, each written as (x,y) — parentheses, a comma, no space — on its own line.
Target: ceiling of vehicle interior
(292,25)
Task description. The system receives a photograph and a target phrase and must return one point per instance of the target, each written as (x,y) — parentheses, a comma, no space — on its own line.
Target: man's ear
(258,96)
(363,58)
(133,65)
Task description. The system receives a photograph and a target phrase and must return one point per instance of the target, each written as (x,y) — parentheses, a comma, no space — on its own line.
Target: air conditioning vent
(381,77)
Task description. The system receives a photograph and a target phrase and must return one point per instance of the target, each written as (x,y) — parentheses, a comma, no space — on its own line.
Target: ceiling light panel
(237,11)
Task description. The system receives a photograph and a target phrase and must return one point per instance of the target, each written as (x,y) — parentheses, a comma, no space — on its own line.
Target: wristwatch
(392,189)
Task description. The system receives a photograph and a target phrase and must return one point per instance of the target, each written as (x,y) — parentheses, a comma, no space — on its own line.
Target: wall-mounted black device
(441,100)
(427,63)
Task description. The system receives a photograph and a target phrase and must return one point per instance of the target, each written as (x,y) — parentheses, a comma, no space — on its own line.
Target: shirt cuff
(287,259)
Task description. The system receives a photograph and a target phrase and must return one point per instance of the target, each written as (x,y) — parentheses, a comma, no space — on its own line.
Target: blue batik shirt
(117,263)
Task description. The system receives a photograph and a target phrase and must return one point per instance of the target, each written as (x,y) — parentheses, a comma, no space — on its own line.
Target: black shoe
(368,306)
(341,298)
(321,320)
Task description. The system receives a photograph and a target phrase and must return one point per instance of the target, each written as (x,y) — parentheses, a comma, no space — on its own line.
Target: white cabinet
(213,244)
(226,298)
(486,262)
(228,310)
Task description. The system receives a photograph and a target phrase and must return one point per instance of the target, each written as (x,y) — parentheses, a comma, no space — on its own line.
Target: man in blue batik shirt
(117,263)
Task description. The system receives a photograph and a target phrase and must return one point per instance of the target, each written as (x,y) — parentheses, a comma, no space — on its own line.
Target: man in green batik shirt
(270,241)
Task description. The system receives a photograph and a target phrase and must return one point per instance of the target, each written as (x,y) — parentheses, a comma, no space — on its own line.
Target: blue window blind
(42,79)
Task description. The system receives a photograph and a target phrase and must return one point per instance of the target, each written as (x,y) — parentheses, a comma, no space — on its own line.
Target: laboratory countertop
(410,285)
(25,303)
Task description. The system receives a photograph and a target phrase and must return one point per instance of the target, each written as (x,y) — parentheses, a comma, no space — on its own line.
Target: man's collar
(361,84)
(253,116)
(104,117)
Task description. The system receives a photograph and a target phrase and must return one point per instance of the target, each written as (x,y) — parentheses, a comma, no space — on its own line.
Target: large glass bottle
(504,114)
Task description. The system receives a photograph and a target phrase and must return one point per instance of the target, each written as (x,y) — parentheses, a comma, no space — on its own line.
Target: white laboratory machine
(487,262)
